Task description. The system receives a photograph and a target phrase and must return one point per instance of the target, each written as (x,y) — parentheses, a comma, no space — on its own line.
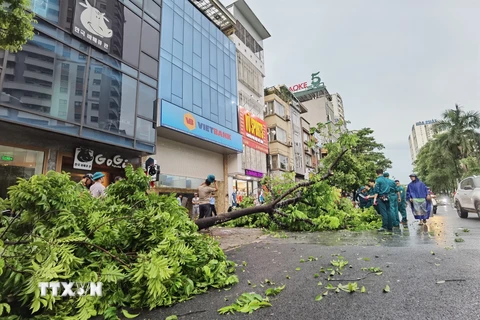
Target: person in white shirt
(196,206)
(97,190)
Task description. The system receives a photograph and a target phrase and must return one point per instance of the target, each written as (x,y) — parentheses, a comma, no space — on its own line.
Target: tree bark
(269,208)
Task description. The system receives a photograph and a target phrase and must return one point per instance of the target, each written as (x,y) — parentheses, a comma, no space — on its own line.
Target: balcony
(38,75)
(40,63)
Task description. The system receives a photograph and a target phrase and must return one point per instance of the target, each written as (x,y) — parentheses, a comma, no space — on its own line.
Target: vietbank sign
(182,120)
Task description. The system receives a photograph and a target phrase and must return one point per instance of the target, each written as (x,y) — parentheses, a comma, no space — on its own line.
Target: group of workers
(390,198)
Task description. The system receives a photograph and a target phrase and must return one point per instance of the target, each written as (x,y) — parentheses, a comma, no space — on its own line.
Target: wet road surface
(431,272)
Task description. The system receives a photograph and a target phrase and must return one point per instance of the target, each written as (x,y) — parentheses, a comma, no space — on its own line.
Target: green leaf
(302,260)
(386,289)
(363,290)
(319,283)
(366,259)
(287,276)
(319,297)
(298,269)
(249,283)
(274,291)
(129,315)
(172,317)
(316,275)
(432,253)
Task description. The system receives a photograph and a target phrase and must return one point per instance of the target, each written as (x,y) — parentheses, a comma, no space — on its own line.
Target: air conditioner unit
(287,117)
(292,168)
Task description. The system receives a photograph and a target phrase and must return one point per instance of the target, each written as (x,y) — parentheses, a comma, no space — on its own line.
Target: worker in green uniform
(394,199)
(402,205)
(381,201)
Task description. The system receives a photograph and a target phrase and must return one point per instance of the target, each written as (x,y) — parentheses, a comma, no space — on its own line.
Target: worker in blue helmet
(394,199)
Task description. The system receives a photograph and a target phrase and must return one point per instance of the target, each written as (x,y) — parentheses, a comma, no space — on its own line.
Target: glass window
(148,65)
(152,9)
(278,134)
(308,160)
(274,107)
(116,100)
(145,130)
(150,40)
(38,71)
(146,98)
(125,41)
(46,9)
(279,162)
(18,163)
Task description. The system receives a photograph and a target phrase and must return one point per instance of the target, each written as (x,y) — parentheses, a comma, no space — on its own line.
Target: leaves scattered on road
(386,289)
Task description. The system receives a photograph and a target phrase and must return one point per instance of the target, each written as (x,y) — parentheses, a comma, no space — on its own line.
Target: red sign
(254,131)
(298,87)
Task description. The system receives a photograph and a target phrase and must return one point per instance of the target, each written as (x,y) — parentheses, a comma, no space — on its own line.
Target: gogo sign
(254,131)
(181,120)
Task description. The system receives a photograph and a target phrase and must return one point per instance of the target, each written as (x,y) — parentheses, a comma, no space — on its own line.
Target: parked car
(467,197)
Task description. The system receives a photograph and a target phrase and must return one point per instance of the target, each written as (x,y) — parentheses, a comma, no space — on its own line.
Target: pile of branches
(142,247)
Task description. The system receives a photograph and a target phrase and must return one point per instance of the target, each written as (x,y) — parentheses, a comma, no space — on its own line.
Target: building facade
(289,134)
(81,95)
(422,132)
(245,170)
(198,114)
(339,111)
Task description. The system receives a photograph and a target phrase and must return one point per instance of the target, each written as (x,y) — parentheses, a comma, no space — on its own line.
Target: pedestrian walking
(204,192)
(417,195)
(97,190)
(179,199)
(234,198)
(380,200)
(393,199)
(196,206)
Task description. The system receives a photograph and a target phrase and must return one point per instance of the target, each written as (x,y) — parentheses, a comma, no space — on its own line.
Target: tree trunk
(270,208)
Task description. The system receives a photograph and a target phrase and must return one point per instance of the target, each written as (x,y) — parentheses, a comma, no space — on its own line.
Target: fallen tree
(291,196)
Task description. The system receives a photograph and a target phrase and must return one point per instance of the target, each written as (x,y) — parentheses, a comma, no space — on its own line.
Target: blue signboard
(182,120)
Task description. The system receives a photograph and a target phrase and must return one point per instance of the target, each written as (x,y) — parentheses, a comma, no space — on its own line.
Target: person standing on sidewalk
(212,205)
(196,206)
(380,200)
(204,192)
(402,205)
(97,190)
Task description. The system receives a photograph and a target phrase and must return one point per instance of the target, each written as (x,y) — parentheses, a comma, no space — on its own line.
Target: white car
(467,197)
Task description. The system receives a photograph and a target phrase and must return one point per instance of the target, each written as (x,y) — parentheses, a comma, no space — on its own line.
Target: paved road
(410,269)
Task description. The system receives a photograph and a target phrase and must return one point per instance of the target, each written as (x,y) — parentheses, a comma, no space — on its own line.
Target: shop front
(247,184)
(19,162)
(85,160)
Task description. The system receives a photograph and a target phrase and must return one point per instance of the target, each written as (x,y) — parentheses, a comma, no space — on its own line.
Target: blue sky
(393,62)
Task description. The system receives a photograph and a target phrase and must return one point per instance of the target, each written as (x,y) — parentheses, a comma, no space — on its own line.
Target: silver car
(467,197)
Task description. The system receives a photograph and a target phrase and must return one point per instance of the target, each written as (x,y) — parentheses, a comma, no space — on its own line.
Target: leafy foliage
(142,247)
(246,303)
(274,291)
(454,153)
(15,24)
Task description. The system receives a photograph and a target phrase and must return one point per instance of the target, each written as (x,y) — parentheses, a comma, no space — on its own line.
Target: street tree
(16,24)
(454,153)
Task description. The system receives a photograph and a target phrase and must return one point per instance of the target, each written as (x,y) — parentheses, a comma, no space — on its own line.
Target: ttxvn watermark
(71,289)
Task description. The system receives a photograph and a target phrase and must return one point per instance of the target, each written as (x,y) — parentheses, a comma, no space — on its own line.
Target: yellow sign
(254,127)
(189,121)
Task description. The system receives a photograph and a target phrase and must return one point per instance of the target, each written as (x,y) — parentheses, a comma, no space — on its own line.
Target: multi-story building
(80,97)
(321,108)
(422,132)
(198,120)
(289,134)
(338,111)
(246,170)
